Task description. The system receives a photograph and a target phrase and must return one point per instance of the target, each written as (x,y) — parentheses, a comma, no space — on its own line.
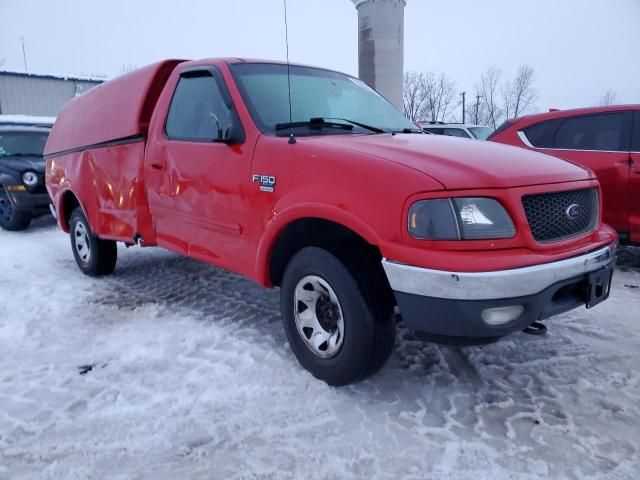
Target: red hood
(463,164)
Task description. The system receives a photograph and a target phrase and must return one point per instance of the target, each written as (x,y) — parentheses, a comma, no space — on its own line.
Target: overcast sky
(578,48)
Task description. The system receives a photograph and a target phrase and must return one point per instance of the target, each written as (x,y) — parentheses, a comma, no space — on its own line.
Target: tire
(95,257)
(354,348)
(11,219)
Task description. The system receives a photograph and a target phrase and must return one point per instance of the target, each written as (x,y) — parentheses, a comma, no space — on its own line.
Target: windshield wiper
(313,123)
(358,124)
(326,122)
(408,130)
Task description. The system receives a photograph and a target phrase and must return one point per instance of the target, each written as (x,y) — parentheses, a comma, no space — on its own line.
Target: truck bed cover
(116,110)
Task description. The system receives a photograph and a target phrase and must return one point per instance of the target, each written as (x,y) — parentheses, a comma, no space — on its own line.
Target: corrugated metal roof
(58,76)
(34,94)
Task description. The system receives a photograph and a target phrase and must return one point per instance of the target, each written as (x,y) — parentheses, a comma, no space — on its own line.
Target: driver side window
(198,111)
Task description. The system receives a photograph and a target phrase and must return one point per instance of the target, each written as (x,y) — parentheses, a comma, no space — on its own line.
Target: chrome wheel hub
(81,240)
(318,316)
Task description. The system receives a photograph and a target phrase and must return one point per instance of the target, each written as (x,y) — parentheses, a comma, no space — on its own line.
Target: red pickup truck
(309,180)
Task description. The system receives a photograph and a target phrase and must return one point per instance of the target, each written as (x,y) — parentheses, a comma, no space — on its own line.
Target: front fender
(298,212)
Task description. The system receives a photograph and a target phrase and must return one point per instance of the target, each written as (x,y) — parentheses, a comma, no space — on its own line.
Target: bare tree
(439,95)
(519,95)
(428,96)
(609,98)
(2,61)
(413,95)
(488,91)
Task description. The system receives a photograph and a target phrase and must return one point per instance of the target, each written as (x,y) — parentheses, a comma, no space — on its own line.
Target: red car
(309,180)
(604,139)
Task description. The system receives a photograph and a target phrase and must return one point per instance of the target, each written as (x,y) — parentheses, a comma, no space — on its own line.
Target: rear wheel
(10,218)
(94,256)
(338,326)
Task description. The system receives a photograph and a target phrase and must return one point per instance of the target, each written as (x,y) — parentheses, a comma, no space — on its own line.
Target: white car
(477,132)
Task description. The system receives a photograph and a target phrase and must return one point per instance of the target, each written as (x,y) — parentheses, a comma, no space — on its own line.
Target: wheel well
(69,204)
(316,232)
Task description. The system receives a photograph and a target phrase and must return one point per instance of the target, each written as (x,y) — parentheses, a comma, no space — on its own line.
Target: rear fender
(63,217)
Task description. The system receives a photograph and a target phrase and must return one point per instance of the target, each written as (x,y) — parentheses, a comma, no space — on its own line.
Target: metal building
(35,94)
(381,46)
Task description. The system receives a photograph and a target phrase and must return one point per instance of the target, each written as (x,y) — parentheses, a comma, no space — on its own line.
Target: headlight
(464,218)
(30,179)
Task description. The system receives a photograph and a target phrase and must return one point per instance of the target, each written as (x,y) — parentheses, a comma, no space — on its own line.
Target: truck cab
(308,180)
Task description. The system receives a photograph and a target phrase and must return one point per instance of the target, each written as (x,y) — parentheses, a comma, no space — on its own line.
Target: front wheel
(10,218)
(335,323)
(93,255)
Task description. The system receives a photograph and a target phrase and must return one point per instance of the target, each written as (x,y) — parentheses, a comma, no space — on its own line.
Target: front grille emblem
(573,211)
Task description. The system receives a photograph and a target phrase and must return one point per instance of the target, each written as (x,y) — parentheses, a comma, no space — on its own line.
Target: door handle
(157,166)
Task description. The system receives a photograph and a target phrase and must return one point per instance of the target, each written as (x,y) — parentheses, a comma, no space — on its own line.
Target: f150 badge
(267,182)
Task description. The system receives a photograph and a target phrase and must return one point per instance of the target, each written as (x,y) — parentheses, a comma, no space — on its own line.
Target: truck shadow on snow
(628,258)
(43,223)
(214,295)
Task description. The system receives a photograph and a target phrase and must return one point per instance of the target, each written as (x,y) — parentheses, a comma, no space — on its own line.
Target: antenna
(292,138)
(24,55)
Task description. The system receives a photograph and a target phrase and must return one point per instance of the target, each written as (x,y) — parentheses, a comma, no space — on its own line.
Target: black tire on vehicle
(93,255)
(318,289)
(10,218)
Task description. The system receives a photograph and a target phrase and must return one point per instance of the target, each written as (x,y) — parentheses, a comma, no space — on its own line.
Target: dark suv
(23,195)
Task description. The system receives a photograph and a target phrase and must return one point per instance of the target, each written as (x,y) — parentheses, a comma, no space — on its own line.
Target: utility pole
(464,104)
(477,108)
(24,55)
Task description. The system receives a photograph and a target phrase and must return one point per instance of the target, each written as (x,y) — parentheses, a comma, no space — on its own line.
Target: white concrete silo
(381,46)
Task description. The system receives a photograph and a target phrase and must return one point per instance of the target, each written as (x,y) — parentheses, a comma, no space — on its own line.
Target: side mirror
(232,133)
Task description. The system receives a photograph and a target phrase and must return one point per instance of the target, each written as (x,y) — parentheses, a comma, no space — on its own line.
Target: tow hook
(536,328)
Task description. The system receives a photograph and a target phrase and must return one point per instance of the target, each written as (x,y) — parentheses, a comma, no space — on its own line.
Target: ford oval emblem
(573,211)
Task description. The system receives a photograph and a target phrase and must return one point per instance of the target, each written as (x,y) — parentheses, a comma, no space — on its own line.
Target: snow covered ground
(191,378)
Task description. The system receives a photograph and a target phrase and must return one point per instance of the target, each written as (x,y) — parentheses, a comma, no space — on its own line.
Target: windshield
(315,93)
(22,143)
(481,133)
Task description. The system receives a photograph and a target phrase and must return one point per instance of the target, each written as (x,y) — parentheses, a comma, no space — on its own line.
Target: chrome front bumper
(517,282)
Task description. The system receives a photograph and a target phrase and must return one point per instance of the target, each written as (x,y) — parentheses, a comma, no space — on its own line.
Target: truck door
(195,167)
(634,182)
(599,142)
